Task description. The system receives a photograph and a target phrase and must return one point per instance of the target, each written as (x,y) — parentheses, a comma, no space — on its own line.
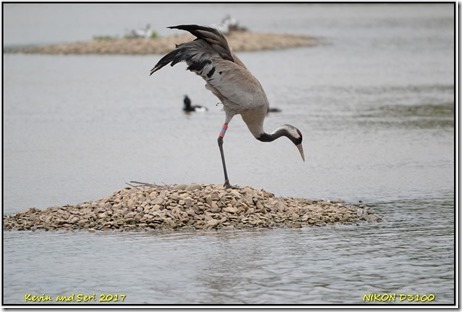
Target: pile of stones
(239,41)
(195,207)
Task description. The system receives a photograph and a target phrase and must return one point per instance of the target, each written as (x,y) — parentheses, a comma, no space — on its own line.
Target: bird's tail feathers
(209,42)
(201,32)
(170,57)
(210,35)
(191,52)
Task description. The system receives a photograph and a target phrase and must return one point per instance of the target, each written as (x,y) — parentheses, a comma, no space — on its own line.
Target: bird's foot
(229,186)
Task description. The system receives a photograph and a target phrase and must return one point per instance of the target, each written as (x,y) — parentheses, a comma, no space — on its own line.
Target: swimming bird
(192,108)
(210,57)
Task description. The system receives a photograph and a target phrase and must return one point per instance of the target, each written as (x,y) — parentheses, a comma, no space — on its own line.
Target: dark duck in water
(192,108)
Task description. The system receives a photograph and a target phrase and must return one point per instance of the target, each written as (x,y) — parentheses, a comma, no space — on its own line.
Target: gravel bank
(189,207)
(238,40)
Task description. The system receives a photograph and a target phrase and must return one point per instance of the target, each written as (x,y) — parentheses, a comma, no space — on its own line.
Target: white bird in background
(142,33)
(227,78)
(226,24)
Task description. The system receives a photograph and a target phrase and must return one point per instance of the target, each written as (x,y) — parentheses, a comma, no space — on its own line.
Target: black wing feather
(216,44)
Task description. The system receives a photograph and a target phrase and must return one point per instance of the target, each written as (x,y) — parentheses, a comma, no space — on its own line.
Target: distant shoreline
(238,40)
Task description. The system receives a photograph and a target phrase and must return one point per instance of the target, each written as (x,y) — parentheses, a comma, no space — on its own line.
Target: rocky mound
(194,207)
(238,40)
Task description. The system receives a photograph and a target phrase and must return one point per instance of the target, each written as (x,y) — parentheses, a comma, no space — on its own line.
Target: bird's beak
(300,149)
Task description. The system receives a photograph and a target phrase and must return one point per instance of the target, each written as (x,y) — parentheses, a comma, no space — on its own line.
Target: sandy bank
(238,40)
(190,207)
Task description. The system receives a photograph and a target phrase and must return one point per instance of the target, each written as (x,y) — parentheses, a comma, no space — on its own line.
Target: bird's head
(295,136)
(288,131)
(186,101)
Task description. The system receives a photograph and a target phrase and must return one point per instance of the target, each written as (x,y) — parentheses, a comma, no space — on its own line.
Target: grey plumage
(210,57)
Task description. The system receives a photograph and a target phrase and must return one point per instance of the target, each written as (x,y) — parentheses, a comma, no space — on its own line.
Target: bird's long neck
(269,137)
(284,130)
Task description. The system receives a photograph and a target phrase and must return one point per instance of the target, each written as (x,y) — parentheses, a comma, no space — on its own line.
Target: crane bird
(210,57)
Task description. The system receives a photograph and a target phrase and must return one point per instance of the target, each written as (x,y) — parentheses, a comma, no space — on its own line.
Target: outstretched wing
(210,57)
(210,43)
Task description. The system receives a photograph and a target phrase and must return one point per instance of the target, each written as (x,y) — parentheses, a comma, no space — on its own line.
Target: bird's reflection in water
(273,110)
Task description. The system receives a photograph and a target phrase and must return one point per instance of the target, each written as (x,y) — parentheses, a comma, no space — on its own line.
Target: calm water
(375,104)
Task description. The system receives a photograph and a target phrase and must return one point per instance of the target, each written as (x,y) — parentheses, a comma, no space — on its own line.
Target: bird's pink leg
(220,145)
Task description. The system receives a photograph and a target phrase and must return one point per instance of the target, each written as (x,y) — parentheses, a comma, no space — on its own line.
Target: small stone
(130,203)
(212,222)
(130,215)
(214,208)
(259,205)
(215,196)
(192,187)
(73,220)
(180,187)
(159,200)
(188,202)
(230,209)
